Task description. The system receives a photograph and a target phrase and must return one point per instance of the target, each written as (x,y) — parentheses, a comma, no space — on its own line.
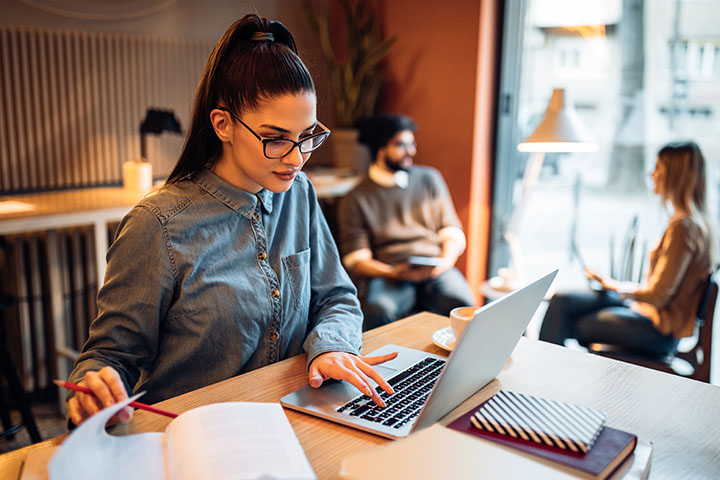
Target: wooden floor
(49,422)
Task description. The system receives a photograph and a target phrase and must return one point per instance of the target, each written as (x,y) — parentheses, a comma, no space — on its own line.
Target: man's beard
(397,165)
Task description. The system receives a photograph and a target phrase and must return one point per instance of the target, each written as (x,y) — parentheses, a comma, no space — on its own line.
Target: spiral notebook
(538,420)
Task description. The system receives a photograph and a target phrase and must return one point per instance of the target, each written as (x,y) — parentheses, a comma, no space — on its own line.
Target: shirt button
(276,293)
(274,336)
(262,256)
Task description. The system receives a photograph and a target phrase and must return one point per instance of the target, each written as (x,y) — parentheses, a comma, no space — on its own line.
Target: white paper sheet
(90,453)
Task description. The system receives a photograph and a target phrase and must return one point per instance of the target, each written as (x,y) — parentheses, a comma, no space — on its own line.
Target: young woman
(654,316)
(230,266)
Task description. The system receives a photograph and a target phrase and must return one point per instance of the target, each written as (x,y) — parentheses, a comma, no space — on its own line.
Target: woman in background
(231,265)
(652,317)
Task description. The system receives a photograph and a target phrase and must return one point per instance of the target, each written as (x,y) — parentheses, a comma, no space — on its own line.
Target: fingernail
(315,382)
(124,415)
(108,403)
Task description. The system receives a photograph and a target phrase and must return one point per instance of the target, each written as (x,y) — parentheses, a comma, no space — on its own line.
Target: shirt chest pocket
(296,268)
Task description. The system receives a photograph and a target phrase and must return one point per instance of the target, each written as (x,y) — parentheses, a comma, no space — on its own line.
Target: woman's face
(658,177)
(243,163)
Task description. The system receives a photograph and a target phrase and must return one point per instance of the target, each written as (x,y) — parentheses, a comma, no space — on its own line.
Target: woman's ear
(221,124)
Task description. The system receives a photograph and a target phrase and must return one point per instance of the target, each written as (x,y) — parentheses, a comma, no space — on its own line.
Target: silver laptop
(429,386)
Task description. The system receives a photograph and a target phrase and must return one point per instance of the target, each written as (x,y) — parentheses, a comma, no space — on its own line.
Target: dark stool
(12,394)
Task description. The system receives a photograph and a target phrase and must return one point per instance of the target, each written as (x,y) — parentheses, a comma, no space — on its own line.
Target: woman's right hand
(108,388)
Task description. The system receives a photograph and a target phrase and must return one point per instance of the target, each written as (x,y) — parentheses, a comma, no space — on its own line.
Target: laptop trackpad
(386,372)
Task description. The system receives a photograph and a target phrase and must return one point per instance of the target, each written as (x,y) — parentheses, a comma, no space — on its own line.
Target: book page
(236,440)
(89,452)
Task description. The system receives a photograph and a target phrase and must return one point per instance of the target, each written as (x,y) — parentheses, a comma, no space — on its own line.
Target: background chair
(12,394)
(691,359)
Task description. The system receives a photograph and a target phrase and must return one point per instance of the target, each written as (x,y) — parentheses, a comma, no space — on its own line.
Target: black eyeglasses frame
(265,141)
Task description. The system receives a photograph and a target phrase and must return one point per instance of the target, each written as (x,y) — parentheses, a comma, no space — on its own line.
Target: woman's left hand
(351,368)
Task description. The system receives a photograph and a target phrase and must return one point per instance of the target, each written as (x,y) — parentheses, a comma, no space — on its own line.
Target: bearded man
(400,236)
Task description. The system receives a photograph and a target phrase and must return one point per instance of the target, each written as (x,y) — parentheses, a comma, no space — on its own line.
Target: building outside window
(640,73)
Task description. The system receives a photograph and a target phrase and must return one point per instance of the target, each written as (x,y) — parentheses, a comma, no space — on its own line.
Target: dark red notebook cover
(609,450)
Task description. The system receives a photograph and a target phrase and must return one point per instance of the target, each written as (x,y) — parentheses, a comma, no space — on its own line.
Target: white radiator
(25,277)
(72,103)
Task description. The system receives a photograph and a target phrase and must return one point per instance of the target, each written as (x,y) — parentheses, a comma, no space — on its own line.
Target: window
(638,78)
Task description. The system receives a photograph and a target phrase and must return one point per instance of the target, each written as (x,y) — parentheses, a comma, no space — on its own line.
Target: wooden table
(680,417)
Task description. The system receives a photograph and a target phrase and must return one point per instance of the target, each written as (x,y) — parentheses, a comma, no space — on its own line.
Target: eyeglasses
(406,146)
(274,148)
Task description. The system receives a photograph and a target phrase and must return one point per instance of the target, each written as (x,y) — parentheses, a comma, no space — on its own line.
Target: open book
(236,440)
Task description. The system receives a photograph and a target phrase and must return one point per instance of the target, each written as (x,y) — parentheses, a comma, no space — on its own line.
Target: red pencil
(138,405)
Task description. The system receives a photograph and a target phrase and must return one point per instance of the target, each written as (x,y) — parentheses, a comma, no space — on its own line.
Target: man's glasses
(274,148)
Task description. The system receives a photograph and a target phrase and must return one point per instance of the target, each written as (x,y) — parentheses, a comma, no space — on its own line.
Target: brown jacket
(679,267)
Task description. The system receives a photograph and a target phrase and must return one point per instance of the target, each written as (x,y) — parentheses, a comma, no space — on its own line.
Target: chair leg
(5,415)
(18,394)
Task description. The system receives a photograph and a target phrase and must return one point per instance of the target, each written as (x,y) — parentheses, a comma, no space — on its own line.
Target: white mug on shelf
(137,176)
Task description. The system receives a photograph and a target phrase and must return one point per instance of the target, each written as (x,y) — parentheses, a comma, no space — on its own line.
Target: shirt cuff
(328,343)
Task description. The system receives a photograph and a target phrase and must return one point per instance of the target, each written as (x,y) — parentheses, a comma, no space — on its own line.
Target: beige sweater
(679,266)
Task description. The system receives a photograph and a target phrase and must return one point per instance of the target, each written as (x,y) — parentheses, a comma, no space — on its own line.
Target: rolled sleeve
(136,294)
(335,318)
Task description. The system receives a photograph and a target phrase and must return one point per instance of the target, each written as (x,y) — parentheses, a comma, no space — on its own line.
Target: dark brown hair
(685,184)
(378,130)
(240,73)
(685,176)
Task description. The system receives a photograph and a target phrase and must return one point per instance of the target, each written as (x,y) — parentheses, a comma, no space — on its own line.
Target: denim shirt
(206,281)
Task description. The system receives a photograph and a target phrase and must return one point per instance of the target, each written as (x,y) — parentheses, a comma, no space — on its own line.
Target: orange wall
(434,77)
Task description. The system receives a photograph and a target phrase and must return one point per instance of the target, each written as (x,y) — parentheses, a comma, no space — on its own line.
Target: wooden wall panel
(73,102)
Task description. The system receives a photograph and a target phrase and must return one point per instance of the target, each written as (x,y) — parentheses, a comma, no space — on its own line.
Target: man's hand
(354,369)
(447,264)
(412,273)
(107,389)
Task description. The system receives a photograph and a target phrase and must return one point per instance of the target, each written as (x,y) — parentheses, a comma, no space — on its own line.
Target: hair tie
(263,37)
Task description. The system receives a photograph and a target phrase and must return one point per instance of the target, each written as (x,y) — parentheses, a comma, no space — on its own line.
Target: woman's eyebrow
(285,130)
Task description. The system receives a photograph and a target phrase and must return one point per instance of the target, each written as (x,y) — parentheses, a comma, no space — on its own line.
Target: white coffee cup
(460,317)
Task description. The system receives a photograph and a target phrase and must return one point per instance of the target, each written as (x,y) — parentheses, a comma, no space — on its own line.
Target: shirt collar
(236,198)
(386,178)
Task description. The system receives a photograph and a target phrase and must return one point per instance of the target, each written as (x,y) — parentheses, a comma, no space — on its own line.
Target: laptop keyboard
(412,387)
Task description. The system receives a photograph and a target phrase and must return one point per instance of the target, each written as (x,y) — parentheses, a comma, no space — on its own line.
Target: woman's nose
(295,158)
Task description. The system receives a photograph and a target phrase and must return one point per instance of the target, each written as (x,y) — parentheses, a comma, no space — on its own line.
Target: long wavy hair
(243,70)
(685,183)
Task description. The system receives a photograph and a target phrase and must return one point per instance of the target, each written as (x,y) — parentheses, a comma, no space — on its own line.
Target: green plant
(356,73)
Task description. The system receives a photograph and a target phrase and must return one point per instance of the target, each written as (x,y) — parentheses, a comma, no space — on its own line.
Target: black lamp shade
(157,121)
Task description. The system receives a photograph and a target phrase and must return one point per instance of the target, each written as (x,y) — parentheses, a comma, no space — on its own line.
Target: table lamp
(137,175)
(559,131)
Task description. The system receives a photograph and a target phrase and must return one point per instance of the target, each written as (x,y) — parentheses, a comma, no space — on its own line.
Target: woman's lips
(286,175)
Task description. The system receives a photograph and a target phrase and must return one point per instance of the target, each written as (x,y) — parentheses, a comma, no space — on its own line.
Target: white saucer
(444,338)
